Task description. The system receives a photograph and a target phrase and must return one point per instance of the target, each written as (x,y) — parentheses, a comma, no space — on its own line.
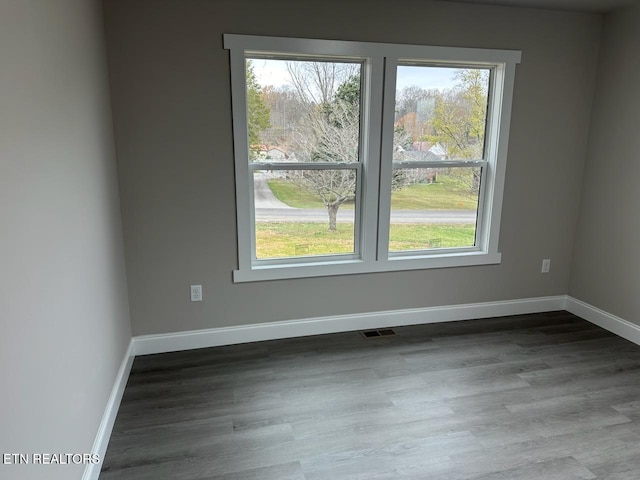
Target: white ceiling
(575,5)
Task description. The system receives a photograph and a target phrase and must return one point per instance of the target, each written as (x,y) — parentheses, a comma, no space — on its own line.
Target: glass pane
(303,213)
(441,113)
(303,111)
(434,208)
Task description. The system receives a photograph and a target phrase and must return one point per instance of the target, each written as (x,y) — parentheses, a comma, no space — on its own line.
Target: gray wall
(606,269)
(63,299)
(171,100)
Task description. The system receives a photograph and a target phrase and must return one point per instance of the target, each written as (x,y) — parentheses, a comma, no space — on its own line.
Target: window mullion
(386,157)
(370,154)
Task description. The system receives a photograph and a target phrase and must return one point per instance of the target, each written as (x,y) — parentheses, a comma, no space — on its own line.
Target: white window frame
(375,168)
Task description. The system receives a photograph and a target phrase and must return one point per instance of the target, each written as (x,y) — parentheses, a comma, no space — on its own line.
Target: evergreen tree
(257,111)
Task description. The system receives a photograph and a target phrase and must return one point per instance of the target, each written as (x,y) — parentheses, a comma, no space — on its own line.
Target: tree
(330,132)
(316,82)
(460,117)
(257,110)
(401,142)
(349,92)
(475,84)
(414,110)
(330,138)
(285,110)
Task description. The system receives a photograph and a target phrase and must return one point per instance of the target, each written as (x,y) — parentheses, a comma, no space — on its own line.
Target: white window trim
(380,61)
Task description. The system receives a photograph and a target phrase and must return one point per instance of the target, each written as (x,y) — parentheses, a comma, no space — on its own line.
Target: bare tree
(286,110)
(331,137)
(317,82)
(331,133)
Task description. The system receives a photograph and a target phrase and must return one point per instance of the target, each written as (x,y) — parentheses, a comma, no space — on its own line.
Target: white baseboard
(170,342)
(92,471)
(606,320)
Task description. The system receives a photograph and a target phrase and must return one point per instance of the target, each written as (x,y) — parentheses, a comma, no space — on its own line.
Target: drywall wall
(606,269)
(172,112)
(63,301)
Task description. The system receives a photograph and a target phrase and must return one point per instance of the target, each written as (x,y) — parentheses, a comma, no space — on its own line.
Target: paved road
(449,217)
(269,208)
(263,195)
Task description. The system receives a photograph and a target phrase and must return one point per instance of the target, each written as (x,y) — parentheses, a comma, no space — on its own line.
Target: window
(357,157)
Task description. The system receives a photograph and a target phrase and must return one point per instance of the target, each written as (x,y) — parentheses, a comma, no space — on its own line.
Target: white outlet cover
(546,265)
(196,293)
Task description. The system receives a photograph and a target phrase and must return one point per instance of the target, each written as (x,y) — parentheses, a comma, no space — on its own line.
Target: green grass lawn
(290,239)
(442,195)
(416,237)
(448,193)
(294,195)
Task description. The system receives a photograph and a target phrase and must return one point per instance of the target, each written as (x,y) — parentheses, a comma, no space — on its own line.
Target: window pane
(441,113)
(434,208)
(304,212)
(303,111)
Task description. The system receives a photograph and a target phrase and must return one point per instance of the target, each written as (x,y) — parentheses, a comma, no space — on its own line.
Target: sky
(274,72)
(430,77)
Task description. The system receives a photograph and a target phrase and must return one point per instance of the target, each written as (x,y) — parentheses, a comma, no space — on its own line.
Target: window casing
(375,165)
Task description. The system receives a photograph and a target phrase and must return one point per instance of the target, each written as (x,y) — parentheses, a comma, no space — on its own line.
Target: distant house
(416,156)
(274,153)
(421,152)
(277,155)
(437,149)
(421,146)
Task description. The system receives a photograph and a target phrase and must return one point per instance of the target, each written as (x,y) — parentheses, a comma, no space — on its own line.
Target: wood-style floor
(542,397)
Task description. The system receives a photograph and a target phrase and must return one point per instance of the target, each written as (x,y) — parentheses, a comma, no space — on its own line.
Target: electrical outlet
(196,293)
(546,265)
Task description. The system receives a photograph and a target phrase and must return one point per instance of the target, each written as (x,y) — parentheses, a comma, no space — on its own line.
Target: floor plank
(546,396)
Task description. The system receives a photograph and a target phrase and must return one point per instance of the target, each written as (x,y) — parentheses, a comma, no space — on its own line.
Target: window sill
(354,267)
